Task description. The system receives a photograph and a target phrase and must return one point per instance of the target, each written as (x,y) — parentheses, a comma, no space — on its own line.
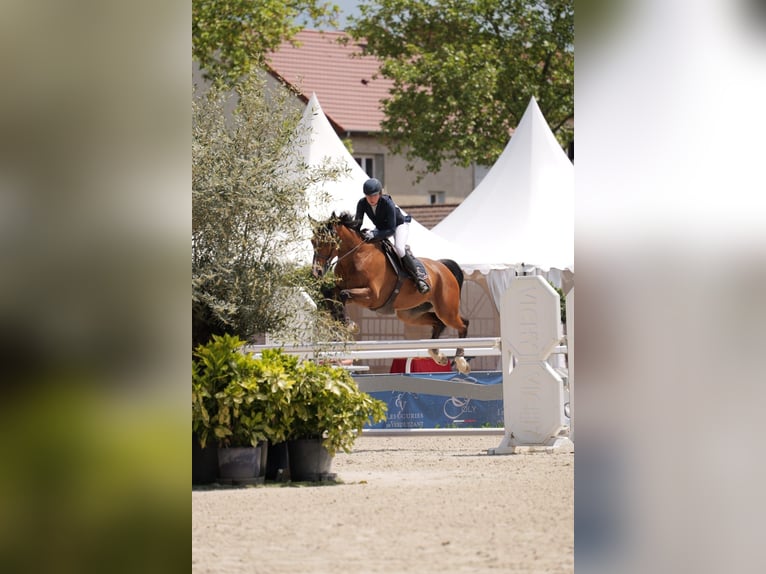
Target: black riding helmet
(372,186)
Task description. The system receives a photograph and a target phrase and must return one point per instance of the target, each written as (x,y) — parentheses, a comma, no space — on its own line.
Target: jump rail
(532,391)
(413,348)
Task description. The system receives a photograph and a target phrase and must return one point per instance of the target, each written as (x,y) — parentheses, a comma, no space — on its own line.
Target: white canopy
(323,146)
(523,209)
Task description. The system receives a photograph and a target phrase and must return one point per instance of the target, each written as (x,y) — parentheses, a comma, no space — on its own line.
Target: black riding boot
(417,270)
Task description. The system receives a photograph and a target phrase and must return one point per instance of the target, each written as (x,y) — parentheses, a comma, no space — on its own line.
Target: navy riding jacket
(386,217)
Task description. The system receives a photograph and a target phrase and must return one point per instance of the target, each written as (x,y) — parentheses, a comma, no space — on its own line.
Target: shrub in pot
(240,401)
(230,405)
(277,373)
(328,413)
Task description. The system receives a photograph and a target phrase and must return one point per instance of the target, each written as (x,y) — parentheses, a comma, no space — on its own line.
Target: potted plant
(277,372)
(241,402)
(328,412)
(231,406)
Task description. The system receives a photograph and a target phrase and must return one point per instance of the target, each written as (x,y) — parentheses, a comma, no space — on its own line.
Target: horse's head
(324,240)
(327,239)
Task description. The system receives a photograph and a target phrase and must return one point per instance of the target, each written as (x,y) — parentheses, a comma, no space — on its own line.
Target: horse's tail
(455,270)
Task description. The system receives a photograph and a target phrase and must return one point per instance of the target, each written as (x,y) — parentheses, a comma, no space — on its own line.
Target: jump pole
(533,393)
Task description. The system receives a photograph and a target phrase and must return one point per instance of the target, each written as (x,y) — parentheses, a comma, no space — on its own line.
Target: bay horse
(365,276)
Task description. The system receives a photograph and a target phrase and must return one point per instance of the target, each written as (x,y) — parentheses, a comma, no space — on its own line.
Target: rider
(390,221)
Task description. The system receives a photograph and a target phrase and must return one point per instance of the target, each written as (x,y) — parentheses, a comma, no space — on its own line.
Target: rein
(349,252)
(340,257)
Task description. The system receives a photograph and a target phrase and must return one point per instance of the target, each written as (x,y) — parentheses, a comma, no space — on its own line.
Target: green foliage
(230,38)
(248,213)
(562,302)
(224,393)
(328,403)
(240,400)
(465,70)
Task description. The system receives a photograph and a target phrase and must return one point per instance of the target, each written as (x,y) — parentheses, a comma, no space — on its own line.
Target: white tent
(324,146)
(523,209)
(522,212)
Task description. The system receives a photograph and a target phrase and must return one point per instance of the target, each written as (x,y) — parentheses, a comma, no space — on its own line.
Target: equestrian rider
(390,221)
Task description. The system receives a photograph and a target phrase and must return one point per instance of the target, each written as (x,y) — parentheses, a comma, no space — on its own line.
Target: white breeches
(400,238)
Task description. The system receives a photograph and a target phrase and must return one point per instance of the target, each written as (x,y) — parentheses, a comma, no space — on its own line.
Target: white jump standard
(533,393)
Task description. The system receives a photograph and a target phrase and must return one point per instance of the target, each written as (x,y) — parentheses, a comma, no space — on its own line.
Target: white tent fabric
(320,145)
(523,209)
(323,145)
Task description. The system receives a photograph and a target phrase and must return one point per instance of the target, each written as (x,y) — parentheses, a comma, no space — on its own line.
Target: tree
(249,214)
(465,70)
(231,37)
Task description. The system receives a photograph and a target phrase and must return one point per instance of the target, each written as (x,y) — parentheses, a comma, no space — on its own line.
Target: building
(351,95)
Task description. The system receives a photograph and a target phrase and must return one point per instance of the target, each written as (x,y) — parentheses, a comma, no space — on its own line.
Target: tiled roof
(429,215)
(348,94)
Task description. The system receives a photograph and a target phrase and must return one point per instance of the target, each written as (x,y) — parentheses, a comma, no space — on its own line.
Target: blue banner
(418,411)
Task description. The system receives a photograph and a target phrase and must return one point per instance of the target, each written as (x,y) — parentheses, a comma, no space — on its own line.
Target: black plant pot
(309,460)
(240,463)
(278,462)
(204,462)
(264,444)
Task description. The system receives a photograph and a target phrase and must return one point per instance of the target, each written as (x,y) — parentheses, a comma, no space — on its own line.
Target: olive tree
(250,214)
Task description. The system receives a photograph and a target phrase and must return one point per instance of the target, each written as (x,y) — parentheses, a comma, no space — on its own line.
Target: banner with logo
(414,411)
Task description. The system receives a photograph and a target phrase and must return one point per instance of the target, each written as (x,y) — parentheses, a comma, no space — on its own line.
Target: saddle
(393,258)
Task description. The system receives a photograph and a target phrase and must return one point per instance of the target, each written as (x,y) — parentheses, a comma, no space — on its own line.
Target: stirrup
(422,286)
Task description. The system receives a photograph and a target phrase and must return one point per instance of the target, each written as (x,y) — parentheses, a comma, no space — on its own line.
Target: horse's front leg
(359,295)
(332,302)
(340,314)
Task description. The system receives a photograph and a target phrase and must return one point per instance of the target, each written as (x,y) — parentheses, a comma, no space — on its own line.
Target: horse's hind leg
(436,332)
(452,318)
(460,363)
(417,316)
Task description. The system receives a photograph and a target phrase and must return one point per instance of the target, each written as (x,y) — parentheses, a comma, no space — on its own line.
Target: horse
(365,276)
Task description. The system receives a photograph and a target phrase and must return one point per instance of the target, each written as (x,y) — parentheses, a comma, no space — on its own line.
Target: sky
(347,7)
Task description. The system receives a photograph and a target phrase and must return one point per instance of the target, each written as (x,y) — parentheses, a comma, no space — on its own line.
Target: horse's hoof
(438,358)
(462,365)
(352,327)
(345,295)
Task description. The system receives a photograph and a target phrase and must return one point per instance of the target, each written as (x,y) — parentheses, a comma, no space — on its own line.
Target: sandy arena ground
(426,504)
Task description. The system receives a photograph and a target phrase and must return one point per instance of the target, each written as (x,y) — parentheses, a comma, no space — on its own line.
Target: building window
(437,197)
(367,162)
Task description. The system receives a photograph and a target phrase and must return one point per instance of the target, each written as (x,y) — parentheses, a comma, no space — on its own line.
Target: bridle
(321,262)
(325,260)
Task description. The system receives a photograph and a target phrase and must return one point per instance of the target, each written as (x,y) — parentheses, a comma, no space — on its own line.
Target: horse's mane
(347,220)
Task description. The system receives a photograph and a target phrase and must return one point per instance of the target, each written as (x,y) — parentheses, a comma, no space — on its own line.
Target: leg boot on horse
(417,271)
(337,309)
